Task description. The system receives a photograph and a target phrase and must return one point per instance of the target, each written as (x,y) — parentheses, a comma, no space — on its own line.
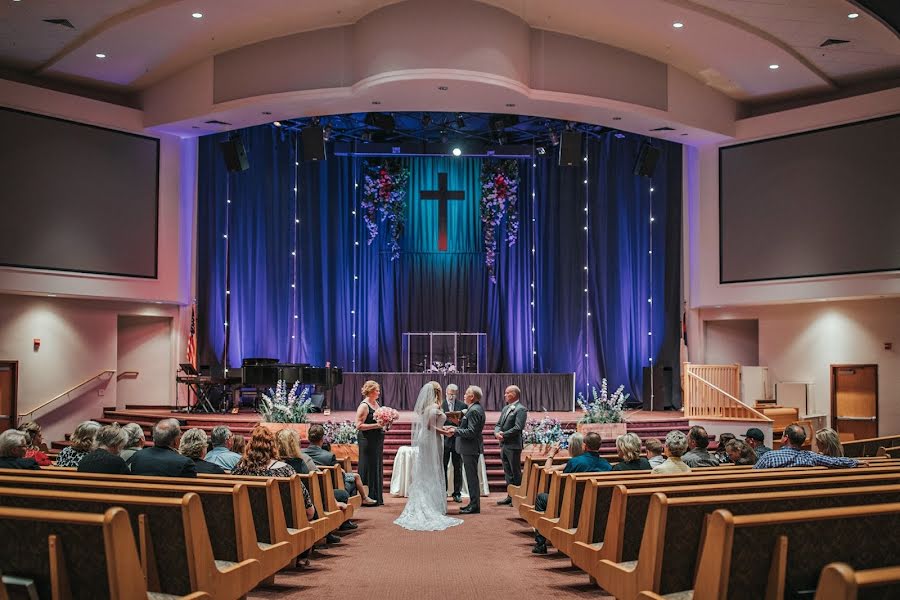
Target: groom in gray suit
(509,432)
(470,445)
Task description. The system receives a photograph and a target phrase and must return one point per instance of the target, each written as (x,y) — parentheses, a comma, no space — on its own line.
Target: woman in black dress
(371,442)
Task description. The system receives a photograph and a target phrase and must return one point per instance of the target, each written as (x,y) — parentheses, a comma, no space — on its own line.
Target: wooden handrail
(705,399)
(108,373)
(124,374)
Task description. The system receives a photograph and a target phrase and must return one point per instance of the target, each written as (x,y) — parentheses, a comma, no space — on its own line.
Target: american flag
(192,343)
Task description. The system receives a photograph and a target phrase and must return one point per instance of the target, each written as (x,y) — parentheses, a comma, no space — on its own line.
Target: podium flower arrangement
(384,193)
(282,408)
(604,413)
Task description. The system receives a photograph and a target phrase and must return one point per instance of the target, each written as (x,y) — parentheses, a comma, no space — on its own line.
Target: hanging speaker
(570,148)
(645,163)
(312,139)
(234,154)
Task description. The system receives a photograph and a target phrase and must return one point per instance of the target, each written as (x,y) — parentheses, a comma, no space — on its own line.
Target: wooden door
(854,400)
(8,381)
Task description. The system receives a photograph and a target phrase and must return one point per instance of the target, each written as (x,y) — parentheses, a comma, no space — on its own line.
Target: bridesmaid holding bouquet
(371,442)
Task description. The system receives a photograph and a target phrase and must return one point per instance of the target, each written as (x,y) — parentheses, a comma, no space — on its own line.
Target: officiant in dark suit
(509,432)
(452,404)
(470,445)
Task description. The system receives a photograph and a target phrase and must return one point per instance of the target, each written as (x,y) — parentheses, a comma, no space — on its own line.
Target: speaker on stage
(234,154)
(316,402)
(645,163)
(661,396)
(313,140)
(570,148)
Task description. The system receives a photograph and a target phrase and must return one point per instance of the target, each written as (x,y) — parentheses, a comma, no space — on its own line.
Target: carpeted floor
(488,556)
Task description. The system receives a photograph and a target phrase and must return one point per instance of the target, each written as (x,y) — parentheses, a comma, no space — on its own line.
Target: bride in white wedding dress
(426,509)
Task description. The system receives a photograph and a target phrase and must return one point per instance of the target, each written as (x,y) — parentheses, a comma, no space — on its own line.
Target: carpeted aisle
(488,556)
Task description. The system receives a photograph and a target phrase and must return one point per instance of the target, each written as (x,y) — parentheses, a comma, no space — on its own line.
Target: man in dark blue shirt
(589,462)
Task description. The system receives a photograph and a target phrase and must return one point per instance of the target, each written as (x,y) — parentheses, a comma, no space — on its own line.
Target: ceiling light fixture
(457,152)
(276,123)
(443,88)
(197,15)
(677,24)
(852,15)
(773,67)
(100,55)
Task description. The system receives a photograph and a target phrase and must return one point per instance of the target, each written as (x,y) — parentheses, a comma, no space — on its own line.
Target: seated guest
(37,449)
(162,459)
(288,442)
(655,452)
(223,452)
(756,439)
(827,442)
(261,457)
(628,446)
(82,441)
(104,458)
(238,443)
(740,453)
(697,455)
(193,445)
(576,448)
(13,445)
(588,462)
(135,440)
(676,445)
(790,454)
(320,456)
(721,453)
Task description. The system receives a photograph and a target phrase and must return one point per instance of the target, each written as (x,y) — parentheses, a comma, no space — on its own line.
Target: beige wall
(144,346)
(799,342)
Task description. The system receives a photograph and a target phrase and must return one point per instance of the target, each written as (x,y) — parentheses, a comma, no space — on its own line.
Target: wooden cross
(442,195)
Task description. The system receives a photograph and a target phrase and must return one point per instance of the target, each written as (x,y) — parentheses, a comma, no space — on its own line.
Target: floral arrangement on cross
(384,193)
(499,198)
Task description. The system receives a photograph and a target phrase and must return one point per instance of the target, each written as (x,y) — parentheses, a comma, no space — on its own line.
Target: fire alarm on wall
(888,345)
(37,343)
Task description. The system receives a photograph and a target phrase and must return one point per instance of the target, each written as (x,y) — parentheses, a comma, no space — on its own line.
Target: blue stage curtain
(428,290)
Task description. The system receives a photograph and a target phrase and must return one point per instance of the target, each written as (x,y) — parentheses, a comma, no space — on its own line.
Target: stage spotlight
(457,152)
(326,133)
(554,138)
(381,121)
(541,150)
(277,123)
(426,120)
(619,135)
(444,137)
(460,122)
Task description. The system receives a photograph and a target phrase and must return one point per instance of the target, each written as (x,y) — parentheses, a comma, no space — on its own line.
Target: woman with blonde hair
(37,449)
(628,446)
(371,442)
(289,450)
(828,442)
(82,441)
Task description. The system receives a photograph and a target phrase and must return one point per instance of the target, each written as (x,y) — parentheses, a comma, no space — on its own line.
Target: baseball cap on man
(755,434)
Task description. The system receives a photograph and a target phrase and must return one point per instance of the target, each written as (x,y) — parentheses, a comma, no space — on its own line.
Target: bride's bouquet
(385,416)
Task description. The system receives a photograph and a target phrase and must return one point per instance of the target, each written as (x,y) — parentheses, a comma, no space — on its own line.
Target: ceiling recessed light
(773,67)
(510,104)
(677,24)
(100,55)
(617,118)
(852,15)
(457,152)
(376,101)
(197,15)
(267,112)
(443,88)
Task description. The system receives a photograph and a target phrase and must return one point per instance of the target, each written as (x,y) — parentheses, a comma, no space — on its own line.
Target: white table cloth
(401,477)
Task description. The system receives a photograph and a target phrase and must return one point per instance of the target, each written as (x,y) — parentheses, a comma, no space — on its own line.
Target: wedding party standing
(371,442)
(453,404)
(470,445)
(509,432)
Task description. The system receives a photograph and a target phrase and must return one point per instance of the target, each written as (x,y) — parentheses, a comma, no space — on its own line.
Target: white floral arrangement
(284,406)
(442,368)
(603,408)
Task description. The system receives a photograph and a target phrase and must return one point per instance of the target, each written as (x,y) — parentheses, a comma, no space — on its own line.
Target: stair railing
(101,377)
(716,397)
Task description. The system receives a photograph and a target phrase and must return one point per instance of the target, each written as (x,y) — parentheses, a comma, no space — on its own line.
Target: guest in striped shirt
(790,454)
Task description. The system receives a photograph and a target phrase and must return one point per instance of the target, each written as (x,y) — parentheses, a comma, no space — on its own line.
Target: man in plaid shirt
(790,454)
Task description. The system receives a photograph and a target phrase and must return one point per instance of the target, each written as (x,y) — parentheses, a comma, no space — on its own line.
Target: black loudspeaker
(234,154)
(313,140)
(645,163)
(661,389)
(316,401)
(570,148)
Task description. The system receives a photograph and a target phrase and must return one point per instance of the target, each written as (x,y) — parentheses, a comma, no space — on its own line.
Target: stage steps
(399,435)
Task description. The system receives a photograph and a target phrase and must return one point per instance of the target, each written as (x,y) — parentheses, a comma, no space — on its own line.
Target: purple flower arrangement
(499,198)
(384,193)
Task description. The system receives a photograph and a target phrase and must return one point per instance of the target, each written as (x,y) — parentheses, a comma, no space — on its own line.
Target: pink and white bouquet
(385,416)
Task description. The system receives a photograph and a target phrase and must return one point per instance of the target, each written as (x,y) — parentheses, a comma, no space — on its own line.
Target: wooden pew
(75,555)
(337,474)
(869,446)
(173,541)
(855,535)
(672,535)
(226,508)
(588,543)
(840,581)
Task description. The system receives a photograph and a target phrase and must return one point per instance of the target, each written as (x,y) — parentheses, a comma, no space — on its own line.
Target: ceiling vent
(62,22)
(833,42)
(664,128)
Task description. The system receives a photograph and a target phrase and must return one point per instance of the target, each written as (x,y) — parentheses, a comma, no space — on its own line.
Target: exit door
(8,382)
(854,400)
